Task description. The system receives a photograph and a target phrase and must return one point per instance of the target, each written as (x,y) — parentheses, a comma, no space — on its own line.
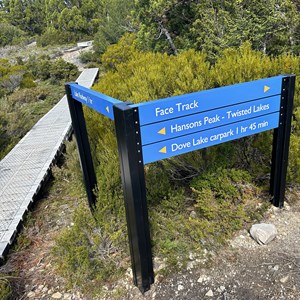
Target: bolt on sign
(160,129)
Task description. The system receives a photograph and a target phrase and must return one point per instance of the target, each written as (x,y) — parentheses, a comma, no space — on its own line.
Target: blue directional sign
(181,124)
(164,130)
(99,102)
(180,106)
(207,138)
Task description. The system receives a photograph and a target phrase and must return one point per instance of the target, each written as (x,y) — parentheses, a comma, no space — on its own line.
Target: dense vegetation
(165,26)
(159,49)
(27,91)
(271,26)
(57,22)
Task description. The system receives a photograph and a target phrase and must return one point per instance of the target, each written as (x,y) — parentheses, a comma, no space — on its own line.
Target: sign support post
(134,188)
(281,142)
(84,149)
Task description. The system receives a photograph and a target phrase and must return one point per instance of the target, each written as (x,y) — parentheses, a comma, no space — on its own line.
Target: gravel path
(73,57)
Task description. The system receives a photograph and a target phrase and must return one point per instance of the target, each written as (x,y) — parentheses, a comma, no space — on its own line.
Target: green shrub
(240,65)
(88,57)
(60,70)
(27,81)
(224,198)
(86,252)
(39,67)
(57,71)
(27,96)
(10,76)
(148,76)
(5,289)
(20,110)
(120,53)
(10,35)
(53,36)
(294,159)
(110,212)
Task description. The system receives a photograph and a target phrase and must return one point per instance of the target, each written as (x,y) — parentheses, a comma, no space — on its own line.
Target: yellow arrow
(162,131)
(163,150)
(266,88)
(107,109)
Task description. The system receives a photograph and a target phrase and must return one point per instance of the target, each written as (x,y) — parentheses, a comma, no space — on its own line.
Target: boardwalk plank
(26,166)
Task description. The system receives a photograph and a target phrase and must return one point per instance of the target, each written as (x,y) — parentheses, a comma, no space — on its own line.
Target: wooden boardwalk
(27,165)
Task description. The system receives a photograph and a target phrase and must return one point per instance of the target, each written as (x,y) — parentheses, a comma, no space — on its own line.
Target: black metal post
(133,180)
(281,142)
(84,150)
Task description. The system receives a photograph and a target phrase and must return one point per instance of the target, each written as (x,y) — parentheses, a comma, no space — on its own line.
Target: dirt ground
(246,270)
(242,270)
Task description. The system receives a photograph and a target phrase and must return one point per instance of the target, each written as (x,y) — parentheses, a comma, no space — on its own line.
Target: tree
(269,25)
(161,22)
(113,24)
(212,27)
(170,26)
(27,15)
(79,18)
(10,34)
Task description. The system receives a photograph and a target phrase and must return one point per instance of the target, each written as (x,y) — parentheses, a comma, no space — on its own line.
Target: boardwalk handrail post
(133,180)
(281,142)
(79,127)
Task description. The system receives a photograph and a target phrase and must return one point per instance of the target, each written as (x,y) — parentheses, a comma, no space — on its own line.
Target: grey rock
(203,278)
(193,214)
(263,233)
(284,279)
(221,289)
(31,295)
(209,293)
(57,295)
